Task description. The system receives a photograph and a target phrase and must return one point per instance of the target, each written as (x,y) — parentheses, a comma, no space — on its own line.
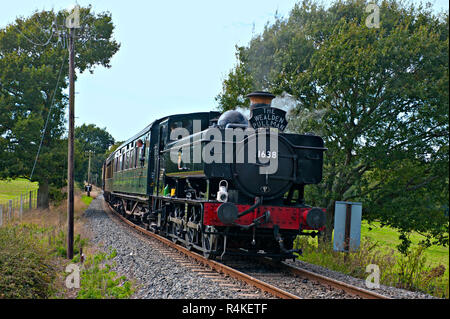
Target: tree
(113,148)
(378,97)
(33,77)
(91,138)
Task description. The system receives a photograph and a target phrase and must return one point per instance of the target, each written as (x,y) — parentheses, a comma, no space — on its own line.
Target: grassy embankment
(33,251)
(423,269)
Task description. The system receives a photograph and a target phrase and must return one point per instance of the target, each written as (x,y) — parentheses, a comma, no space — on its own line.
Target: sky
(173,58)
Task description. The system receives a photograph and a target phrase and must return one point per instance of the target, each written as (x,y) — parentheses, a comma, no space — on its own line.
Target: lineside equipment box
(347,226)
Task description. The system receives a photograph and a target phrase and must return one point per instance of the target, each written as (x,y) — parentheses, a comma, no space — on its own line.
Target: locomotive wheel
(192,234)
(174,232)
(176,229)
(209,242)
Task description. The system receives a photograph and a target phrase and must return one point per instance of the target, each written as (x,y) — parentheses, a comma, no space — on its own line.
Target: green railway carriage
(130,169)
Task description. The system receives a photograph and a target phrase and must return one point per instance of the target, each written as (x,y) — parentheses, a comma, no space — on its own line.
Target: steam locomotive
(221,184)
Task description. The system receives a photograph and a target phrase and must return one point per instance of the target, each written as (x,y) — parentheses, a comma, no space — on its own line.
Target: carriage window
(138,155)
(109,170)
(127,163)
(144,147)
(122,161)
(186,124)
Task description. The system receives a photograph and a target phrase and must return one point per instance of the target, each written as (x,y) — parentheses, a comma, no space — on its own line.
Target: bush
(60,244)
(56,195)
(26,269)
(414,274)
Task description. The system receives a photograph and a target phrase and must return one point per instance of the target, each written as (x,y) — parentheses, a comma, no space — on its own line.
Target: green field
(388,238)
(10,189)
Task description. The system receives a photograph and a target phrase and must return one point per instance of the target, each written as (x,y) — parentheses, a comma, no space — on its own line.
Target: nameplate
(268,117)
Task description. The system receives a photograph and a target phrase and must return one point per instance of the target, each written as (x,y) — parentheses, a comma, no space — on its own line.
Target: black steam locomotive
(220,183)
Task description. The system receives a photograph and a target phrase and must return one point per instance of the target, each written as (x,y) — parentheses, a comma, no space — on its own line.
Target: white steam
(286,102)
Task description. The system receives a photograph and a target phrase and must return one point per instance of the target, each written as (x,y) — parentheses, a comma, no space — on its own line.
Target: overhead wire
(48,116)
(31,41)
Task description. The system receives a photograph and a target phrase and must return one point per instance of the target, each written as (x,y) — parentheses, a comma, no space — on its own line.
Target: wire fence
(14,208)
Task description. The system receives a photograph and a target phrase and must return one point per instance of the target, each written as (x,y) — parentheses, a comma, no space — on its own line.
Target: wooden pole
(70,175)
(89,169)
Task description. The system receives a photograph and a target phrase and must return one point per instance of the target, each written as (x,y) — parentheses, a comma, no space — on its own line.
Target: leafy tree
(91,138)
(378,97)
(31,63)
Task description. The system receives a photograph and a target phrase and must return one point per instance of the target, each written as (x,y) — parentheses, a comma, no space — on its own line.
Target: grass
(388,236)
(32,260)
(10,189)
(425,270)
(27,267)
(33,256)
(98,281)
(33,251)
(87,199)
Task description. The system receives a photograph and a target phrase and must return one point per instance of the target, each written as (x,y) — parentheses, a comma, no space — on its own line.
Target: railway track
(244,271)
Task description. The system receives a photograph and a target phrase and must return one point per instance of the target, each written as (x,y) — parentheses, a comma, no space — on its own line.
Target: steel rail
(211,263)
(221,268)
(353,290)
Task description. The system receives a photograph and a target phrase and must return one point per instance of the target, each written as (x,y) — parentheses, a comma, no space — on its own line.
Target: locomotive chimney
(260,99)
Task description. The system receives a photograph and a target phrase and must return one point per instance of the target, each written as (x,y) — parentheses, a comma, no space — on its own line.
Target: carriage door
(159,157)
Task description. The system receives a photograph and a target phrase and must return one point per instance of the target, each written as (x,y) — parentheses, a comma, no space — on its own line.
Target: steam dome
(232,117)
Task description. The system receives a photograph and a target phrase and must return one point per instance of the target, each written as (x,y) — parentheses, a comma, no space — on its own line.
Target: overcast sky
(173,58)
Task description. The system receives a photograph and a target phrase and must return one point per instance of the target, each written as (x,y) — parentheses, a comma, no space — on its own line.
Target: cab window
(186,124)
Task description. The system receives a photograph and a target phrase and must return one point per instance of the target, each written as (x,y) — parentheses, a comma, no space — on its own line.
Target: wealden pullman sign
(268,117)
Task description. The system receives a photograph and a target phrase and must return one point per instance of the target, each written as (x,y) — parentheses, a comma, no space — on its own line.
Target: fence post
(30,201)
(1,215)
(21,207)
(10,209)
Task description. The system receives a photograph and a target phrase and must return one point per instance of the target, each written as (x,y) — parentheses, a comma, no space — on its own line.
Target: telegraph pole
(89,182)
(89,169)
(72,23)
(70,197)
